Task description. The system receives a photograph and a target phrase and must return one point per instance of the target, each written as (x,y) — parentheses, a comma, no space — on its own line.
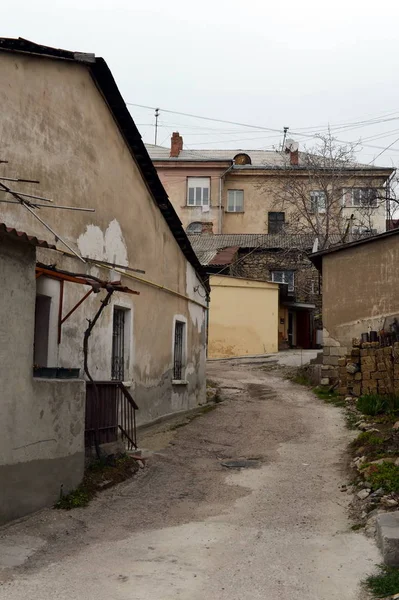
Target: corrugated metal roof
(21,236)
(225,256)
(267,159)
(213,243)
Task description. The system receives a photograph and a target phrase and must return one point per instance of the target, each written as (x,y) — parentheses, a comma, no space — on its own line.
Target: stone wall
(259,264)
(369,369)
(332,358)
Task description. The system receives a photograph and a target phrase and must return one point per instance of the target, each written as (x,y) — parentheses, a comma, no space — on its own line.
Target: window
(362,197)
(198,191)
(118,345)
(42,324)
(242,159)
(178,353)
(235,201)
(195,227)
(284,277)
(317,201)
(276,222)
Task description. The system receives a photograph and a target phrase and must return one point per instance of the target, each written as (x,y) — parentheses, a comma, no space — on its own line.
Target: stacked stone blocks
(369,369)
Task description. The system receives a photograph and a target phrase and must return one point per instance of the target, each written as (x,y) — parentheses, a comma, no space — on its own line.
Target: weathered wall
(359,290)
(41,422)
(243,318)
(174,179)
(56,127)
(260,196)
(259,264)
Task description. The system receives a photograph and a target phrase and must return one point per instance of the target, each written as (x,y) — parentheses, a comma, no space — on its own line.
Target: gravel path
(188,528)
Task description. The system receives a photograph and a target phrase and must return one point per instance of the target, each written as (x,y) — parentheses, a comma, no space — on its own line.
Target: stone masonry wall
(259,264)
(369,369)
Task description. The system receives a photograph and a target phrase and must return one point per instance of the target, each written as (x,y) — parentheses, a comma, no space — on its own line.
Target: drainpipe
(220,196)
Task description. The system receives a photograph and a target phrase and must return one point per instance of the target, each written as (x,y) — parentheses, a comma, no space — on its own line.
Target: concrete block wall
(330,366)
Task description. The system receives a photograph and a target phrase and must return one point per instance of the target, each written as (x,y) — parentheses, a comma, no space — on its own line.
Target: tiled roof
(259,158)
(212,243)
(21,236)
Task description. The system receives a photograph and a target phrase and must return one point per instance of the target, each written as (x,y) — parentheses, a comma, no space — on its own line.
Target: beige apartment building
(240,191)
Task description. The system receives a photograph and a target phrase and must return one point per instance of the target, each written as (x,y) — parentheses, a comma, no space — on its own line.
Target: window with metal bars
(178,355)
(118,345)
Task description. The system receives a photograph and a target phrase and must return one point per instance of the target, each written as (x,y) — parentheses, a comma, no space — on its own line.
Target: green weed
(374,404)
(366,438)
(385,583)
(385,475)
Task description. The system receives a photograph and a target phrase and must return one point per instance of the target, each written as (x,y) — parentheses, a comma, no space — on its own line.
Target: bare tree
(324,192)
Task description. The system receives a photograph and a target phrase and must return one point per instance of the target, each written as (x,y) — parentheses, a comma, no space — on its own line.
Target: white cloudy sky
(300,63)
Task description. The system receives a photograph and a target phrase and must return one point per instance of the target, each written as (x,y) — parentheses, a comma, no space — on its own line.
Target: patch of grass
(385,475)
(366,438)
(111,470)
(351,419)
(385,583)
(76,499)
(357,526)
(329,396)
(301,379)
(374,404)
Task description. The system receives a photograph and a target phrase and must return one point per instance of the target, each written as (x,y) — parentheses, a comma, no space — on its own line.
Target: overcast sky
(303,64)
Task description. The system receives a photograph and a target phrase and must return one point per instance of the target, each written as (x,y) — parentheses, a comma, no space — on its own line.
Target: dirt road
(189,528)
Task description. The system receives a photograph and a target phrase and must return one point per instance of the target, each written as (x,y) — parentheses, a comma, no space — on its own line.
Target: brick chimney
(176,144)
(294,158)
(207,228)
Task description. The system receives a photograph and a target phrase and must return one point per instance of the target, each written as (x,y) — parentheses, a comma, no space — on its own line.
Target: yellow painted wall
(243,317)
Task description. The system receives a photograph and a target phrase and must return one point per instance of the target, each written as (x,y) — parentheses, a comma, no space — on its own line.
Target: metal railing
(112,416)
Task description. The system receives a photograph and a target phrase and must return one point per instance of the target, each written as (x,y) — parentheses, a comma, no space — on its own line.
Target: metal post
(156,124)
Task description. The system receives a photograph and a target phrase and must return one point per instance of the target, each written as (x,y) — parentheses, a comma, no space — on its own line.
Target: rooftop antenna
(21,198)
(284,138)
(156,124)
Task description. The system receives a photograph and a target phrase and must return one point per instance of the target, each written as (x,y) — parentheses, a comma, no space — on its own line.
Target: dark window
(194,227)
(118,345)
(178,355)
(276,222)
(42,323)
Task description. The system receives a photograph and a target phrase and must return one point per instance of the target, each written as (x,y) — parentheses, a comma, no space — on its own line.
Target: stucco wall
(41,422)
(359,290)
(243,317)
(260,196)
(56,128)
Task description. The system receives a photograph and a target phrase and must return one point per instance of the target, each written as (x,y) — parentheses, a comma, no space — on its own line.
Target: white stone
(363,494)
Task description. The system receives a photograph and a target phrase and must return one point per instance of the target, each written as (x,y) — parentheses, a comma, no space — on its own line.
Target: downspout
(220,196)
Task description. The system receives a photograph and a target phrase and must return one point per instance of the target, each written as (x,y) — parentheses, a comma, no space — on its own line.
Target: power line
(384,150)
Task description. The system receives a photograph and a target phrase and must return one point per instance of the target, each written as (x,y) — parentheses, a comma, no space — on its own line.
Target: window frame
(179,376)
(194,204)
(315,207)
(234,192)
(194,232)
(275,222)
(360,204)
(291,286)
(127,345)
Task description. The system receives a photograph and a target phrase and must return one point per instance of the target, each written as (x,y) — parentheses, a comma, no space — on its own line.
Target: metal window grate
(178,351)
(118,345)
